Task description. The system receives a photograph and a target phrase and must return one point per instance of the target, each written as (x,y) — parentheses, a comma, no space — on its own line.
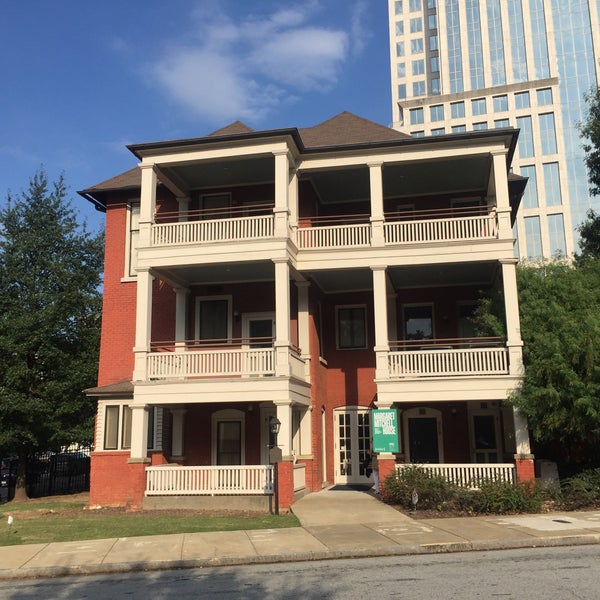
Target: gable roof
(234,128)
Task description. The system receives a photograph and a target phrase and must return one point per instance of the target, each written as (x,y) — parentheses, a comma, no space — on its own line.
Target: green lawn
(43,522)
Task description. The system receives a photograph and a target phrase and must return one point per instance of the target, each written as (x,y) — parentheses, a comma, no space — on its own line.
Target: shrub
(582,490)
(498,497)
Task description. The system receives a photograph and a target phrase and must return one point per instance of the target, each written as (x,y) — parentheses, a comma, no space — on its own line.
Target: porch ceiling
(221,273)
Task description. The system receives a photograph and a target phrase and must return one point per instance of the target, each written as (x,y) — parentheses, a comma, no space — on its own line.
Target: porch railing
(175,480)
(355,235)
(436,358)
(469,475)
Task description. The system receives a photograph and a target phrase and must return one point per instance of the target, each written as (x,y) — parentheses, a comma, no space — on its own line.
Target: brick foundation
(525,469)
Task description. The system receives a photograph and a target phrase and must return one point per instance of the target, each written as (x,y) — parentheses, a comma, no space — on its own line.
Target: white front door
(352,442)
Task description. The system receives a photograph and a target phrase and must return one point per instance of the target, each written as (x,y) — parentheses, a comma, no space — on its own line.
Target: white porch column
(382,346)
(181,298)
(293,197)
(282,317)
(284,439)
(498,192)
(306,431)
(377,214)
(521,434)
(143,323)
(303,326)
(184,207)
(177,432)
(139,433)
(147,204)
(514,342)
(282,188)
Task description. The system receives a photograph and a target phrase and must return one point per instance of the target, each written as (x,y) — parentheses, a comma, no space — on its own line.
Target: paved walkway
(335,524)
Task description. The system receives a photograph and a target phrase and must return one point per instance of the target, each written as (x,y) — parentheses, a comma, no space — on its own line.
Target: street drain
(561,521)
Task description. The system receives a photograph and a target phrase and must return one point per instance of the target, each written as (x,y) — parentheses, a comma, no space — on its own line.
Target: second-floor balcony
(257,222)
(243,357)
(465,357)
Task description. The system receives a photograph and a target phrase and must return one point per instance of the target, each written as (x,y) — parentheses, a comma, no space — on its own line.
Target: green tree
(560,325)
(589,240)
(589,130)
(50,306)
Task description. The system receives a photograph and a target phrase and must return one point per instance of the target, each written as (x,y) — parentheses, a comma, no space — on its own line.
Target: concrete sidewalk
(335,524)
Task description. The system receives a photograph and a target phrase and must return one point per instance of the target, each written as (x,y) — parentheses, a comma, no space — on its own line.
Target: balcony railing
(448,357)
(175,480)
(341,231)
(218,225)
(240,357)
(457,224)
(469,475)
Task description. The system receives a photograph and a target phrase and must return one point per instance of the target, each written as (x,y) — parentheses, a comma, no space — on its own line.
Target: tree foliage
(560,324)
(590,133)
(589,240)
(50,306)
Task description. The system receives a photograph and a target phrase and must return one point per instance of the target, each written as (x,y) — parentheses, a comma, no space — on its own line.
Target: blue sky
(83,79)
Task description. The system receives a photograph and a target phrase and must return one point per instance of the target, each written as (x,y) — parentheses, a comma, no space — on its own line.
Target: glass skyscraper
(463,65)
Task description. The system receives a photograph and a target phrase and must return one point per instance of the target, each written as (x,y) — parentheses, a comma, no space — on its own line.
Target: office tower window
(416,25)
(418,134)
(457,110)
(552,184)
(515,233)
(534,237)
(399,48)
(414,5)
(544,97)
(525,143)
(556,232)
(402,90)
(398,7)
(416,46)
(401,69)
(522,100)
(478,107)
(435,87)
(454,47)
(416,116)
(436,113)
(438,131)
(530,197)
(540,41)
(433,43)
(432,21)
(418,67)
(480,126)
(548,133)
(501,123)
(497,63)
(434,63)
(517,40)
(475,46)
(399,27)
(418,88)
(431,3)
(501,103)
(459,128)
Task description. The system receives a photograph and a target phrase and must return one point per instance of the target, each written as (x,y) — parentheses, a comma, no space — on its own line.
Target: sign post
(385,430)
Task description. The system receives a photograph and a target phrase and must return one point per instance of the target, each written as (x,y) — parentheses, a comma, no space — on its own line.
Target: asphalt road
(542,573)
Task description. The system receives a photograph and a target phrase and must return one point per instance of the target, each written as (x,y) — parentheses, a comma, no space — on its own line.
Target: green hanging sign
(385,430)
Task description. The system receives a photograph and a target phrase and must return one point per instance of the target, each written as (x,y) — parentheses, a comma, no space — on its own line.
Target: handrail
(472,342)
(173,345)
(226,211)
(459,211)
(333,219)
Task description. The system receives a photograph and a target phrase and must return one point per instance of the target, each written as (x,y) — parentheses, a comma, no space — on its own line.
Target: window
(431,3)
(401,69)
(133,227)
(548,133)
(418,88)
(416,25)
(418,322)
(530,197)
(533,236)
(418,134)
(416,46)
(459,128)
(552,184)
(480,126)
(351,327)
(215,206)
(522,100)
(478,107)
(398,7)
(213,318)
(402,90)
(501,123)
(399,48)
(433,43)
(416,116)
(434,64)
(432,22)
(418,67)
(414,5)
(399,27)
(438,131)
(544,97)
(117,426)
(556,231)
(525,143)
(457,110)
(436,113)
(435,86)
(500,103)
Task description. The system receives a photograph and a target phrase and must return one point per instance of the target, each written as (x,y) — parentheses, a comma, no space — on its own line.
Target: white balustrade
(175,480)
(334,236)
(437,363)
(435,230)
(469,475)
(213,230)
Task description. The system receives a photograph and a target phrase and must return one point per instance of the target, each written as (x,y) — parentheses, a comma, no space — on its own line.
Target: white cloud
(247,66)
